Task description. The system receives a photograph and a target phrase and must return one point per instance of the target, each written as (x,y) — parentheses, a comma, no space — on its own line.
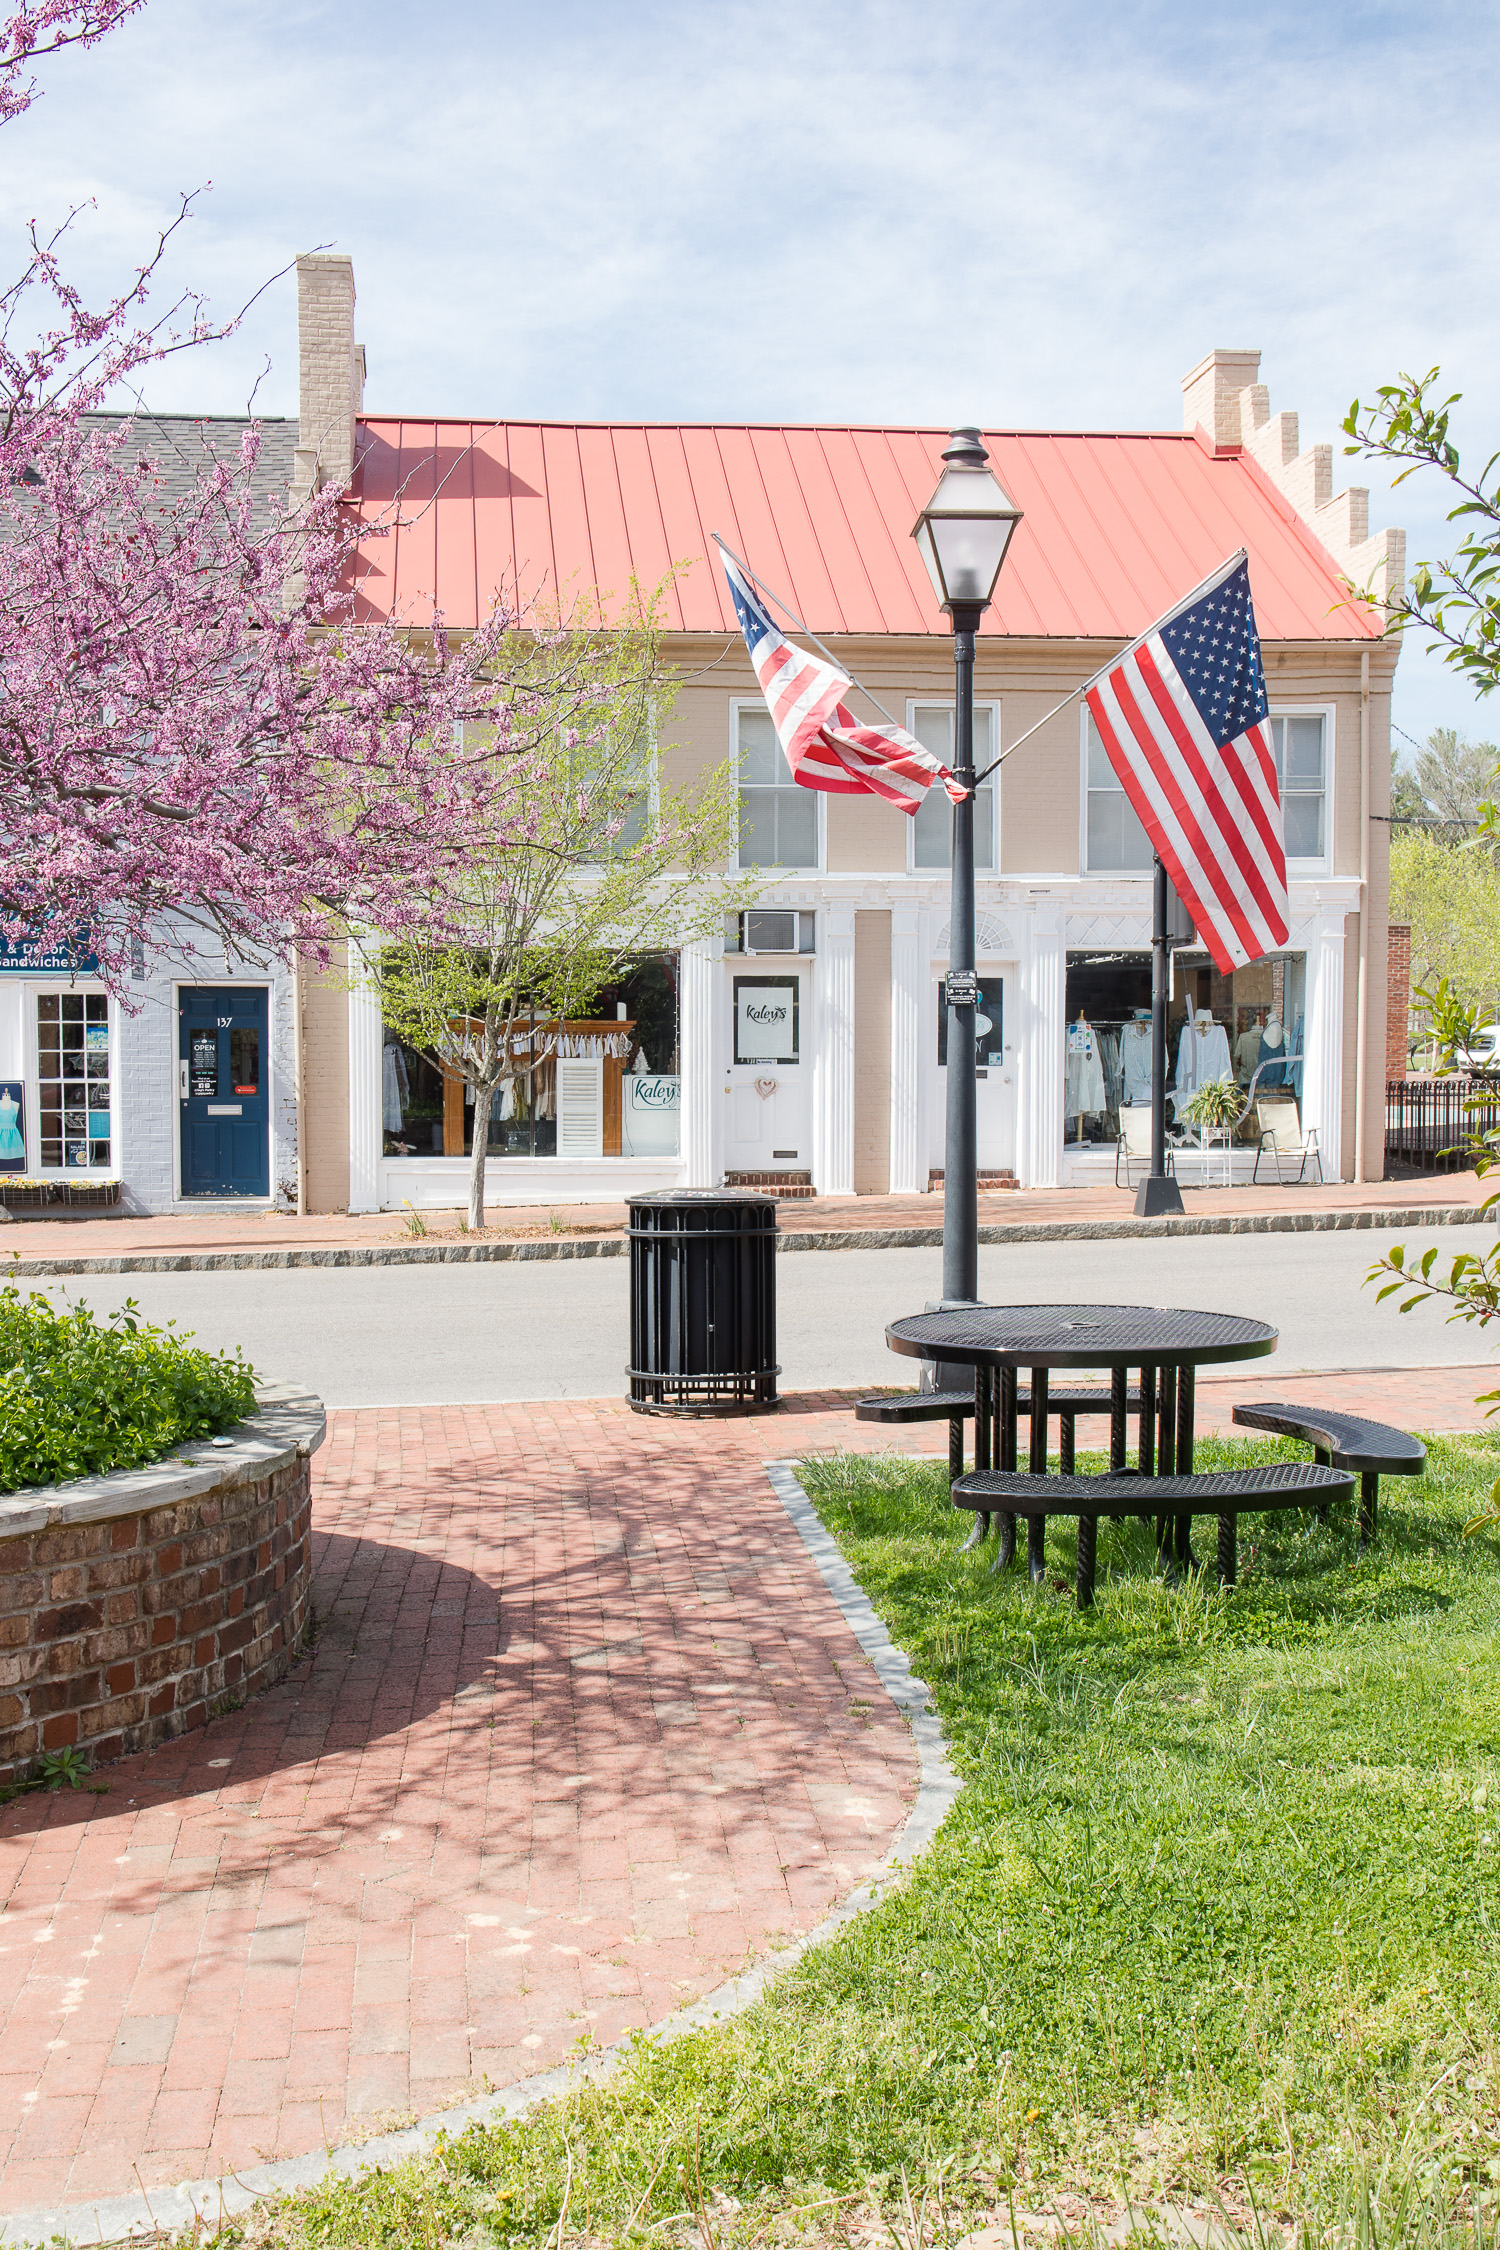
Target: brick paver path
(582,1733)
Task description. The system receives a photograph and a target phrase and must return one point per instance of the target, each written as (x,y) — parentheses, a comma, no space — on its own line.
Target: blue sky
(1009,213)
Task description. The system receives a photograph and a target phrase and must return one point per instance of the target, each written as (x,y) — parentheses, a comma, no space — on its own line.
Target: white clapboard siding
(580,1106)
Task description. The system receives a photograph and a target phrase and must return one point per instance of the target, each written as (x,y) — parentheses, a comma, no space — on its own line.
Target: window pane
(244,1059)
(796,828)
(1302,826)
(932,724)
(1304,750)
(760,752)
(932,831)
(1101,772)
(757,827)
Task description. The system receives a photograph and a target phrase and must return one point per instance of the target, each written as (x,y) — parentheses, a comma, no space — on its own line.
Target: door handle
(182,1081)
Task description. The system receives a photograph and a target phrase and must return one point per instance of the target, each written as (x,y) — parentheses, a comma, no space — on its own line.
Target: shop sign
(766,1027)
(12,1125)
(203,1064)
(653,1109)
(18,959)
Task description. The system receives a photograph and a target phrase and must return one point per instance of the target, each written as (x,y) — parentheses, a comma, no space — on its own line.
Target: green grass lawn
(1220,1901)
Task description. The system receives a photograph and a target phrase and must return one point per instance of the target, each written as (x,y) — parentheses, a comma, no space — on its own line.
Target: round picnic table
(1167,1345)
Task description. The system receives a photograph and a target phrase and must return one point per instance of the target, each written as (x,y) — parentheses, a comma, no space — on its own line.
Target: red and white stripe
(1211,809)
(826,746)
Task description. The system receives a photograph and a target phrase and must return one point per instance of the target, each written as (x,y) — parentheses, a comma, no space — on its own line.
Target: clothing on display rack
(1246,1054)
(395,1087)
(1272,1063)
(1109,1056)
(1083,1087)
(1202,1054)
(1294,1058)
(1135,1061)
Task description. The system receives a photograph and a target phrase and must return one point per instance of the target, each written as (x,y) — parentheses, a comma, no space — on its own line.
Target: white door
(768,1127)
(995,1089)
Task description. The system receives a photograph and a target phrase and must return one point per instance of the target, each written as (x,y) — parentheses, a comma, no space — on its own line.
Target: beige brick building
(848,950)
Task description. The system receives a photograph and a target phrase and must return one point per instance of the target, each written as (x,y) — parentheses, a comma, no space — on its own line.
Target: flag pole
(1073,694)
(725,548)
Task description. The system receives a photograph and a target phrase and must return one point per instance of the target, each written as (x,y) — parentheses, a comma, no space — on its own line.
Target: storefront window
(73,1080)
(1248,1026)
(605,1085)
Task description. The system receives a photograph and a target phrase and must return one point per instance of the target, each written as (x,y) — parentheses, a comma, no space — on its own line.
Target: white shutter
(580,1106)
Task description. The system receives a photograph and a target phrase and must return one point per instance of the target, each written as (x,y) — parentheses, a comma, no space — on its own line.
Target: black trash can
(702,1303)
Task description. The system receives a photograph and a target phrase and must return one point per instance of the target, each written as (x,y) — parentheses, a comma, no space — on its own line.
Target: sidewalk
(582,1733)
(199,1240)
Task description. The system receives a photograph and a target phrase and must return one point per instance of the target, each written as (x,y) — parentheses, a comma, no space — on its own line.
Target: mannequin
(1247,1050)
(1272,1052)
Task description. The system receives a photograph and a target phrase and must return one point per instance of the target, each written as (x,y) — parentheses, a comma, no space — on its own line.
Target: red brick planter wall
(131,1607)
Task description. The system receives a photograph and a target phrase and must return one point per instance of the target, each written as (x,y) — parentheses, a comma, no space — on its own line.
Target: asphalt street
(419,1335)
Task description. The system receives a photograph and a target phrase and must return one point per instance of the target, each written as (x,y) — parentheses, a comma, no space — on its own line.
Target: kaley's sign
(765,1019)
(653,1111)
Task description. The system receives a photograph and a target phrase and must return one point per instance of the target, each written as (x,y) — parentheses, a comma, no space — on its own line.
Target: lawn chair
(1134,1144)
(1284,1140)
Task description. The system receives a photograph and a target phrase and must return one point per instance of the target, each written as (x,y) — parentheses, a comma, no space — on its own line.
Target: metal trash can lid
(691,1199)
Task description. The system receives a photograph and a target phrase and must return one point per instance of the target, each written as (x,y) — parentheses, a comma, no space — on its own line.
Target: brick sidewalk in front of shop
(211,1232)
(582,1734)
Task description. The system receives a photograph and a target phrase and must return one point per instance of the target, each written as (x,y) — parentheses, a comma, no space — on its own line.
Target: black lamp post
(962,535)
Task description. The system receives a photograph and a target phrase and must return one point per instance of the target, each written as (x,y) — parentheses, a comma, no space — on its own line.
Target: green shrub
(79,1396)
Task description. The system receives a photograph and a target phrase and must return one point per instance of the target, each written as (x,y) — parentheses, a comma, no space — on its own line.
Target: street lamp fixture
(962,535)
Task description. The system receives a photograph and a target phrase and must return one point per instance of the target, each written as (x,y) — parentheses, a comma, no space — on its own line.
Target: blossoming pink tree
(190,721)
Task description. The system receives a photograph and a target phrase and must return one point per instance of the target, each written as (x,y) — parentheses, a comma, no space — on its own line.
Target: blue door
(221,1090)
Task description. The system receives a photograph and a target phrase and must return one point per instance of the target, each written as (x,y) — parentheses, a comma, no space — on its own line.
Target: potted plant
(1218,1102)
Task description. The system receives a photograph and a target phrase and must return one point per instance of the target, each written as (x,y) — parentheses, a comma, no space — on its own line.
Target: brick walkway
(576,1741)
(252,1230)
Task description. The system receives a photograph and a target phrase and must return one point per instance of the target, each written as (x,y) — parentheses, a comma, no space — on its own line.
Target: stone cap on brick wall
(288,1422)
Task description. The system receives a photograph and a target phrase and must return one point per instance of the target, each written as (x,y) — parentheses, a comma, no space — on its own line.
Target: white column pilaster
(908,1155)
(833,1054)
(1039,1060)
(702,1064)
(1323,1041)
(365,1041)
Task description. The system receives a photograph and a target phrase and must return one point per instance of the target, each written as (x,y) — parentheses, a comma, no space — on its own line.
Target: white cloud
(857,211)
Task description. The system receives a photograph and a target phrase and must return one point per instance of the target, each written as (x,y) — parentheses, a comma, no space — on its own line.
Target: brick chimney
(331,374)
(1211,393)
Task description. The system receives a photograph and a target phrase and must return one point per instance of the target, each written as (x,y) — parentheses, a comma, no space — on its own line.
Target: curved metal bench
(1227,1494)
(1346,1441)
(956,1407)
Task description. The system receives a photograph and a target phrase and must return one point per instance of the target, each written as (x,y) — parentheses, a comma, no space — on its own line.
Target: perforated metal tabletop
(1080,1336)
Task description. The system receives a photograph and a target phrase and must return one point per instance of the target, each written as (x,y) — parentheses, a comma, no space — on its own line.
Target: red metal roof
(1119,524)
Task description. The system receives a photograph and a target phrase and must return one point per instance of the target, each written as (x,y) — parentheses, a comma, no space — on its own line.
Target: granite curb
(1358,1220)
(194,2203)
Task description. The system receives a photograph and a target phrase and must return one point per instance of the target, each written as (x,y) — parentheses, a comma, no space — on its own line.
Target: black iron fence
(1429,1121)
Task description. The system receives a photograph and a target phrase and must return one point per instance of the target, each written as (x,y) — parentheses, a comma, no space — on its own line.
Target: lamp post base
(1158,1198)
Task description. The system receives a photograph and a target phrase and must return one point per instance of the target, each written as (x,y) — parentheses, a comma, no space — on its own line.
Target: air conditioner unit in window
(771,929)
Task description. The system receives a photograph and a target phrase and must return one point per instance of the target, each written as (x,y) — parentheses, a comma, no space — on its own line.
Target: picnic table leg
(1088,1544)
(982,1450)
(1006,1447)
(1228,1542)
(1036,1526)
(1183,1551)
(1119,1395)
(1166,1446)
(1066,1433)
(1321,1453)
(1369,1494)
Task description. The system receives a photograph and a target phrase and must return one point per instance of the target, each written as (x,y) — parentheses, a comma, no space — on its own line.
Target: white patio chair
(1134,1144)
(1284,1141)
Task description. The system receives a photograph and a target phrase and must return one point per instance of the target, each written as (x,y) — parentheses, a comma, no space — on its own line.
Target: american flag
(825,745)
(1184,719)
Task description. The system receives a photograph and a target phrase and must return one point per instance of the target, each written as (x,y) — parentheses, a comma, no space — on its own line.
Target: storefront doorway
(222,1097)
(994,1091)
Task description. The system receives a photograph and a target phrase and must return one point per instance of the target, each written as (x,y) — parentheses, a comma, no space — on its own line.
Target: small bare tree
(604,864)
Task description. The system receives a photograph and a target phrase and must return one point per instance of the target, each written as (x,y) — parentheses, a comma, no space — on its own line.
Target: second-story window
(1302,778)
(932,828)
(1114,840)
(778,818)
